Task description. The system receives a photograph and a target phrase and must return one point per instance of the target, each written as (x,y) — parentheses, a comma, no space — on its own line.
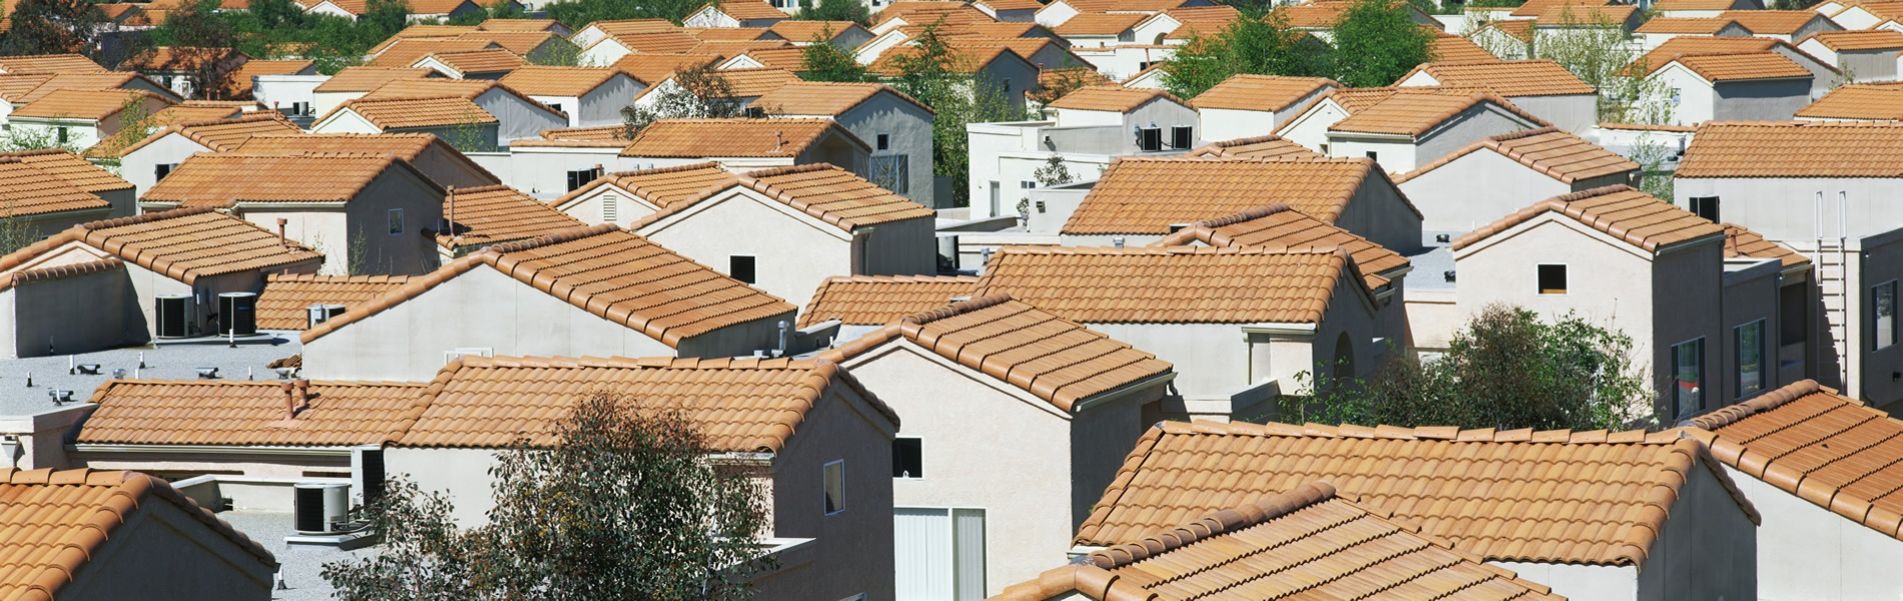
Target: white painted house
(147,161)
(1861,55)
(896,127)
(81,118)
(1246,106)
(1089,128)
(1542,88)
(1501,174)
(590,96)
(1406,130)
(1763,86)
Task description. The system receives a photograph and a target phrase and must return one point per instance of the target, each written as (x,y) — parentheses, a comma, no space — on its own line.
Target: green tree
(1601,53)
(941,78)
(1247,46)
(626,504)
(53,27)
(1376,42)
(276,14)
(837,10)
(698,92)
(826,62)
(1505,369)
(386,17)
(579,13)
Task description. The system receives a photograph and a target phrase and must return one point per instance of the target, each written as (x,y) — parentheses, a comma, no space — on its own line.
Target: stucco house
(46,191)
(1542,88)
(102,534)
(1861,55)
(478,217)
(1700,317)
(998,67)
(624,198)
(1762,86)
(1501,174)
(1141,200)
(738,13)
(366,213)
(490,63)
(354,82)
(428,154)
(18,89)
(1073,398)
(787,229)
(1620,512)
(747,143)
(1824,76)
(1799,454)
(590,96)
(147,161)
(1830,207)
(124,267)
(518,117)
(1009,11)
(1257,147)
(896,127)
(1788,26)
(1663,29)
(1266,314)
(1246,106)
(1405,131)
(447,117)
(844,34)
(1089,129)
(596,291)
(75,118)
(817,443)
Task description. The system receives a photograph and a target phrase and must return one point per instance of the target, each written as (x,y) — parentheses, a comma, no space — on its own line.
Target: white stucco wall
(1806,552)
(1477,189)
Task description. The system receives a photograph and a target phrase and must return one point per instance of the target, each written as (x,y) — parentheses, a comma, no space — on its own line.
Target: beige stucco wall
(793,252)
(160,552)
(1476,189)
(1229,124)
(1806,552)
(908,130)
(139,166)
(360,226)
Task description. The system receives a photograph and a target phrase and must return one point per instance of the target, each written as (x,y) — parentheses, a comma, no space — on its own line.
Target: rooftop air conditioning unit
(238,313)
(175,315)
(320,313)
(321,507)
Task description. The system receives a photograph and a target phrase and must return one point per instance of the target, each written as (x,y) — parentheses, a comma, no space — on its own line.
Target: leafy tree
(1053,173)
(562,54)
(577,14)
(277,14)
(1602,54)
(386,16)
(653,518)
(826,62)
(837,10)
(699,92)
(939,77)
(53,27)
(1505,369)
(1247,46)
(1376,42)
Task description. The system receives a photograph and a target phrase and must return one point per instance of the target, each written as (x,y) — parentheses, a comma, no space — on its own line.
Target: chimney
(779,140)
(281,241)
(290,399)
(296,397)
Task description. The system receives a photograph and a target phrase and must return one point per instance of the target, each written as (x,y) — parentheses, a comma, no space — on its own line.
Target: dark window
(161,171)
(577,179)
(1374,155)
(1150,138)
(1181,137)
(1688,377)
(908,460)
(885,141)
(1793,320)
(1706,206)
(62,134)
(1750,357)
(1027,184)
(1883,314)
(756,112)
(740,267)
(1552,279)
(833,478)
(892,172)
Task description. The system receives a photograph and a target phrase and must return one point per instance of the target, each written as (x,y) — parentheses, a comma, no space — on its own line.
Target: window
(1883,314)
(1374,155)
(1750,351)
(885,142)
(1149,139)
(941,553)
(997,200)
(740,267)
(1025,184)
(61,132)
(1688,376)
(577,179)
(300,108)
(610,208)
(1552,279)
(755,112)
(1705,206)
(396,221)
(1181,136)
(892,172)
(908,460)
(833,476)
(1793,319)
(159,172)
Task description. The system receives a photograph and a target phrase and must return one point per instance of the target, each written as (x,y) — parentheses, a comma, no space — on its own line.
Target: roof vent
(1117,241)
(59,396)
(1443,238)
(1449,274)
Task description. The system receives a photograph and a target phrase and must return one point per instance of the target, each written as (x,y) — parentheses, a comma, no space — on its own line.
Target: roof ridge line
(956,309)
(551,239)
(117,222)
(1770,400)
(1215,523)
(1246,215)
(1524,133)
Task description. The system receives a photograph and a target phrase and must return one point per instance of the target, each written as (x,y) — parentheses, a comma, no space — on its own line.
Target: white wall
(793,252)
(1806,552)
(139,166)
(1476,189)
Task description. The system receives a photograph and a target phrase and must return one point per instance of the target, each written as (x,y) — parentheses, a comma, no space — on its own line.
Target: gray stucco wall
(1868,65)
(45,312)
(1473,125)
(1574,113)
(1476,189)
(160,552)
(1764,100)
(1708,549)
(1749,295)
(855,552)
(908,131)
(1379,212)
(1687,283)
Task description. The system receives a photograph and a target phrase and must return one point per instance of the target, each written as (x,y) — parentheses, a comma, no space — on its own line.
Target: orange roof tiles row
(1171,284)
(1148,196)
(1742,242)
(89,104)
(702,138)
(365,79)
(222,135)
(1858,102)
(477,62)
(1260,92)
(870,300)
(1882,39)
(1622,212)
(664,187)
(223,179)
(1278,226)
(182,244)
(820,98)
(286,297)
(1256,147)
(49,63)
(27,191)
(1558,154)
(1736,149)
(1417,114)
(1510,78)
(71,168)
(397,113)
(487,215)
(1743,67)
(193,412)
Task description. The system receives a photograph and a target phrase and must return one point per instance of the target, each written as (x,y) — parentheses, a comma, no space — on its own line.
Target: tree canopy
(837,10)
(934,74)
(577,14)
(53,27)
(1247,46)
(1377,42)
(826,62)
(274,28)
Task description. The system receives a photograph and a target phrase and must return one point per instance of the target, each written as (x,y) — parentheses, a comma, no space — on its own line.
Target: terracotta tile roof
(179,113)
(1147,196)
(1688,45)
(695,138)
(59,520)
(405,52)
(633,26)
(1771,22)
(1011,4)
(931,11)
(26,190)
(242,413)
(1557,154)
(1858,102)
(1509,78)
(1171,284)
(866,300)
(1456,50)
(1117,99)
(791,58)
(1201,20)
(1257,147)
(519,42)
(1881,39)
(49,63)
(79,172)
(83,104)
(751,83)
(60,272)
(411,147)
(224,179)
(1260,92)
(477,62)
(243,80)
(432,88)
(968,56)
(1306,543)
(1684,25)
(1742,242)
(283,303)
(518,25)
(735,47)
(421,30)
(660,42)
(487,215)
(557,81)
(393,113)
(14,88)
(182,244)
(365,79)
(1585,16)
(801,30)
(1818,445)
(1622,212)
(1555,496)
(434,7)
(1736,149)
(1056,360)
(1535,8)
(1278,226)
(1520,29)
(1418,114)
(612,274)
(605,133)
(740,405)
(727,34)
(1677,5)
(1318,15)
(833,195)
(821,98)
(748,10)
(1743,67)
(664,187)
(1099,24)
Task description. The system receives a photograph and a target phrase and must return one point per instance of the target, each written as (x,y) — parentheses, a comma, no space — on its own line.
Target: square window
(1883,314)
(740,267)
(579,178)
(1705,206)
(833,478)
(908,460)
(1688,377)
(885,142)
(1552,279)
(62,134)
(396,221)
